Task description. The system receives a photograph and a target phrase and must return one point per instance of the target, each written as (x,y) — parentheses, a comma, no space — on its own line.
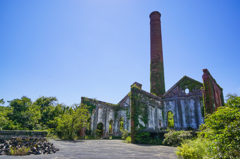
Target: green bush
(219,137)
(125,134)
(196,149)
(155,141)
(90,137)
(128,139)
(116,137)
(225,123)
(174,138)
(142,137)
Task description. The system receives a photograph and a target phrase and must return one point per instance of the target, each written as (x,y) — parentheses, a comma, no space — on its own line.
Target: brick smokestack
(157,71)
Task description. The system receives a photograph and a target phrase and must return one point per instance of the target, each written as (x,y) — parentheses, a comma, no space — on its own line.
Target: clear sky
(98,48)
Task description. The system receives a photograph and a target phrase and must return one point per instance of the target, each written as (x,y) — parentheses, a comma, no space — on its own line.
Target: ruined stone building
(188,100)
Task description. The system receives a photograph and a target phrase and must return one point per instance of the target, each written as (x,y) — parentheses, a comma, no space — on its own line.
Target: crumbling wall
(186,112)
(213,93)
(146,111)
(185,106)
(103,112)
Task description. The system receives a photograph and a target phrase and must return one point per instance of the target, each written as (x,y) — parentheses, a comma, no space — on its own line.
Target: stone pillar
(157,71)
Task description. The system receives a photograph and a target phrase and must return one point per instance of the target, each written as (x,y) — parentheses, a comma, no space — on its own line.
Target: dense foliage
(175,138)
(145,138)
(170,120)
(43,114)
(220,133)
(125,134)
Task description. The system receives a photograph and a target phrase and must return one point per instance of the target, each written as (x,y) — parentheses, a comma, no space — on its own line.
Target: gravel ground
(104,149)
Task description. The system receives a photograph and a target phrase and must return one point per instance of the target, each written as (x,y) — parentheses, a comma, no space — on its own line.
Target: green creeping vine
(157,78)
(190,85)
(128,115)
(90,105)
(139,109)
(116,108)
(201,100)
(208,100)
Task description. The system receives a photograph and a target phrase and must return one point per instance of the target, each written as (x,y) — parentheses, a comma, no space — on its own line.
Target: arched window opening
(121,123)
(100,130)
(110,126)
(170,120)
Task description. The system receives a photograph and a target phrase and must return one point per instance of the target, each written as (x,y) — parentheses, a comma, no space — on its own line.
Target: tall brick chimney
(157,71)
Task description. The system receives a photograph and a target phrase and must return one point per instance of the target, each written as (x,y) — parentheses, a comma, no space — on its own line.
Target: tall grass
(19,151)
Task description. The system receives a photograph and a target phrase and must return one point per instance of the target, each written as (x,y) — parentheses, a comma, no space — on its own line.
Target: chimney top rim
(155,12)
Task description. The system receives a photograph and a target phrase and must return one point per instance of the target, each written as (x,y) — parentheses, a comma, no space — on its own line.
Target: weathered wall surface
(213,93)
(150,108)
(7,134)
(146,111)
(186,107)
(186,112)
(103,112)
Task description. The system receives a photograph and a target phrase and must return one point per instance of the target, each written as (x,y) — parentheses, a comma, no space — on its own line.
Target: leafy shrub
(88,132)
(125,134)
(156,141)
(174,138)
(219,137)
(142,137)
(90,137)
(116,137)
(128,139)
(225,123)
(196,149)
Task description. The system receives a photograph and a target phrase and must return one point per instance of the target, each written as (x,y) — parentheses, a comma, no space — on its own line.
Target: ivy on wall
(157,78)
(139,109)
(191,85)
(208,98)
(128,115)
(116,109)
(90,105)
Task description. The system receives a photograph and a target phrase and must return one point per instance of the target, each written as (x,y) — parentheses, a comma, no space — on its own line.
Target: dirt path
(105,149)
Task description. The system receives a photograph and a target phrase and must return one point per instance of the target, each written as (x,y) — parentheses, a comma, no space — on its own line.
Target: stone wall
(7,134)
(146,111)
(104,112)
(213,93)
(185,106)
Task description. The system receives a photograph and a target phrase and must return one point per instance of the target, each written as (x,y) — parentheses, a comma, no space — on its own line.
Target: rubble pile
(27,146)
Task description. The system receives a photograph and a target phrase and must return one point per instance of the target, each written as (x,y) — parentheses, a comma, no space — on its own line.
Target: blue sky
(98,48)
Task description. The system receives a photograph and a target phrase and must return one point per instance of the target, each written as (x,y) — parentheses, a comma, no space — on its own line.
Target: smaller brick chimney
(137,84)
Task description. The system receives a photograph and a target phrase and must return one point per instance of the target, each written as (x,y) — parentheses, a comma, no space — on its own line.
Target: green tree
(220,133)
(45,102)
(225,123)
(2,101)
(47,110)
(73,120)
(18,114)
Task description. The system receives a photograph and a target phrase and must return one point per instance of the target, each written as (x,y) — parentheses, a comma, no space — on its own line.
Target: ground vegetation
(43,114)
(219,137)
